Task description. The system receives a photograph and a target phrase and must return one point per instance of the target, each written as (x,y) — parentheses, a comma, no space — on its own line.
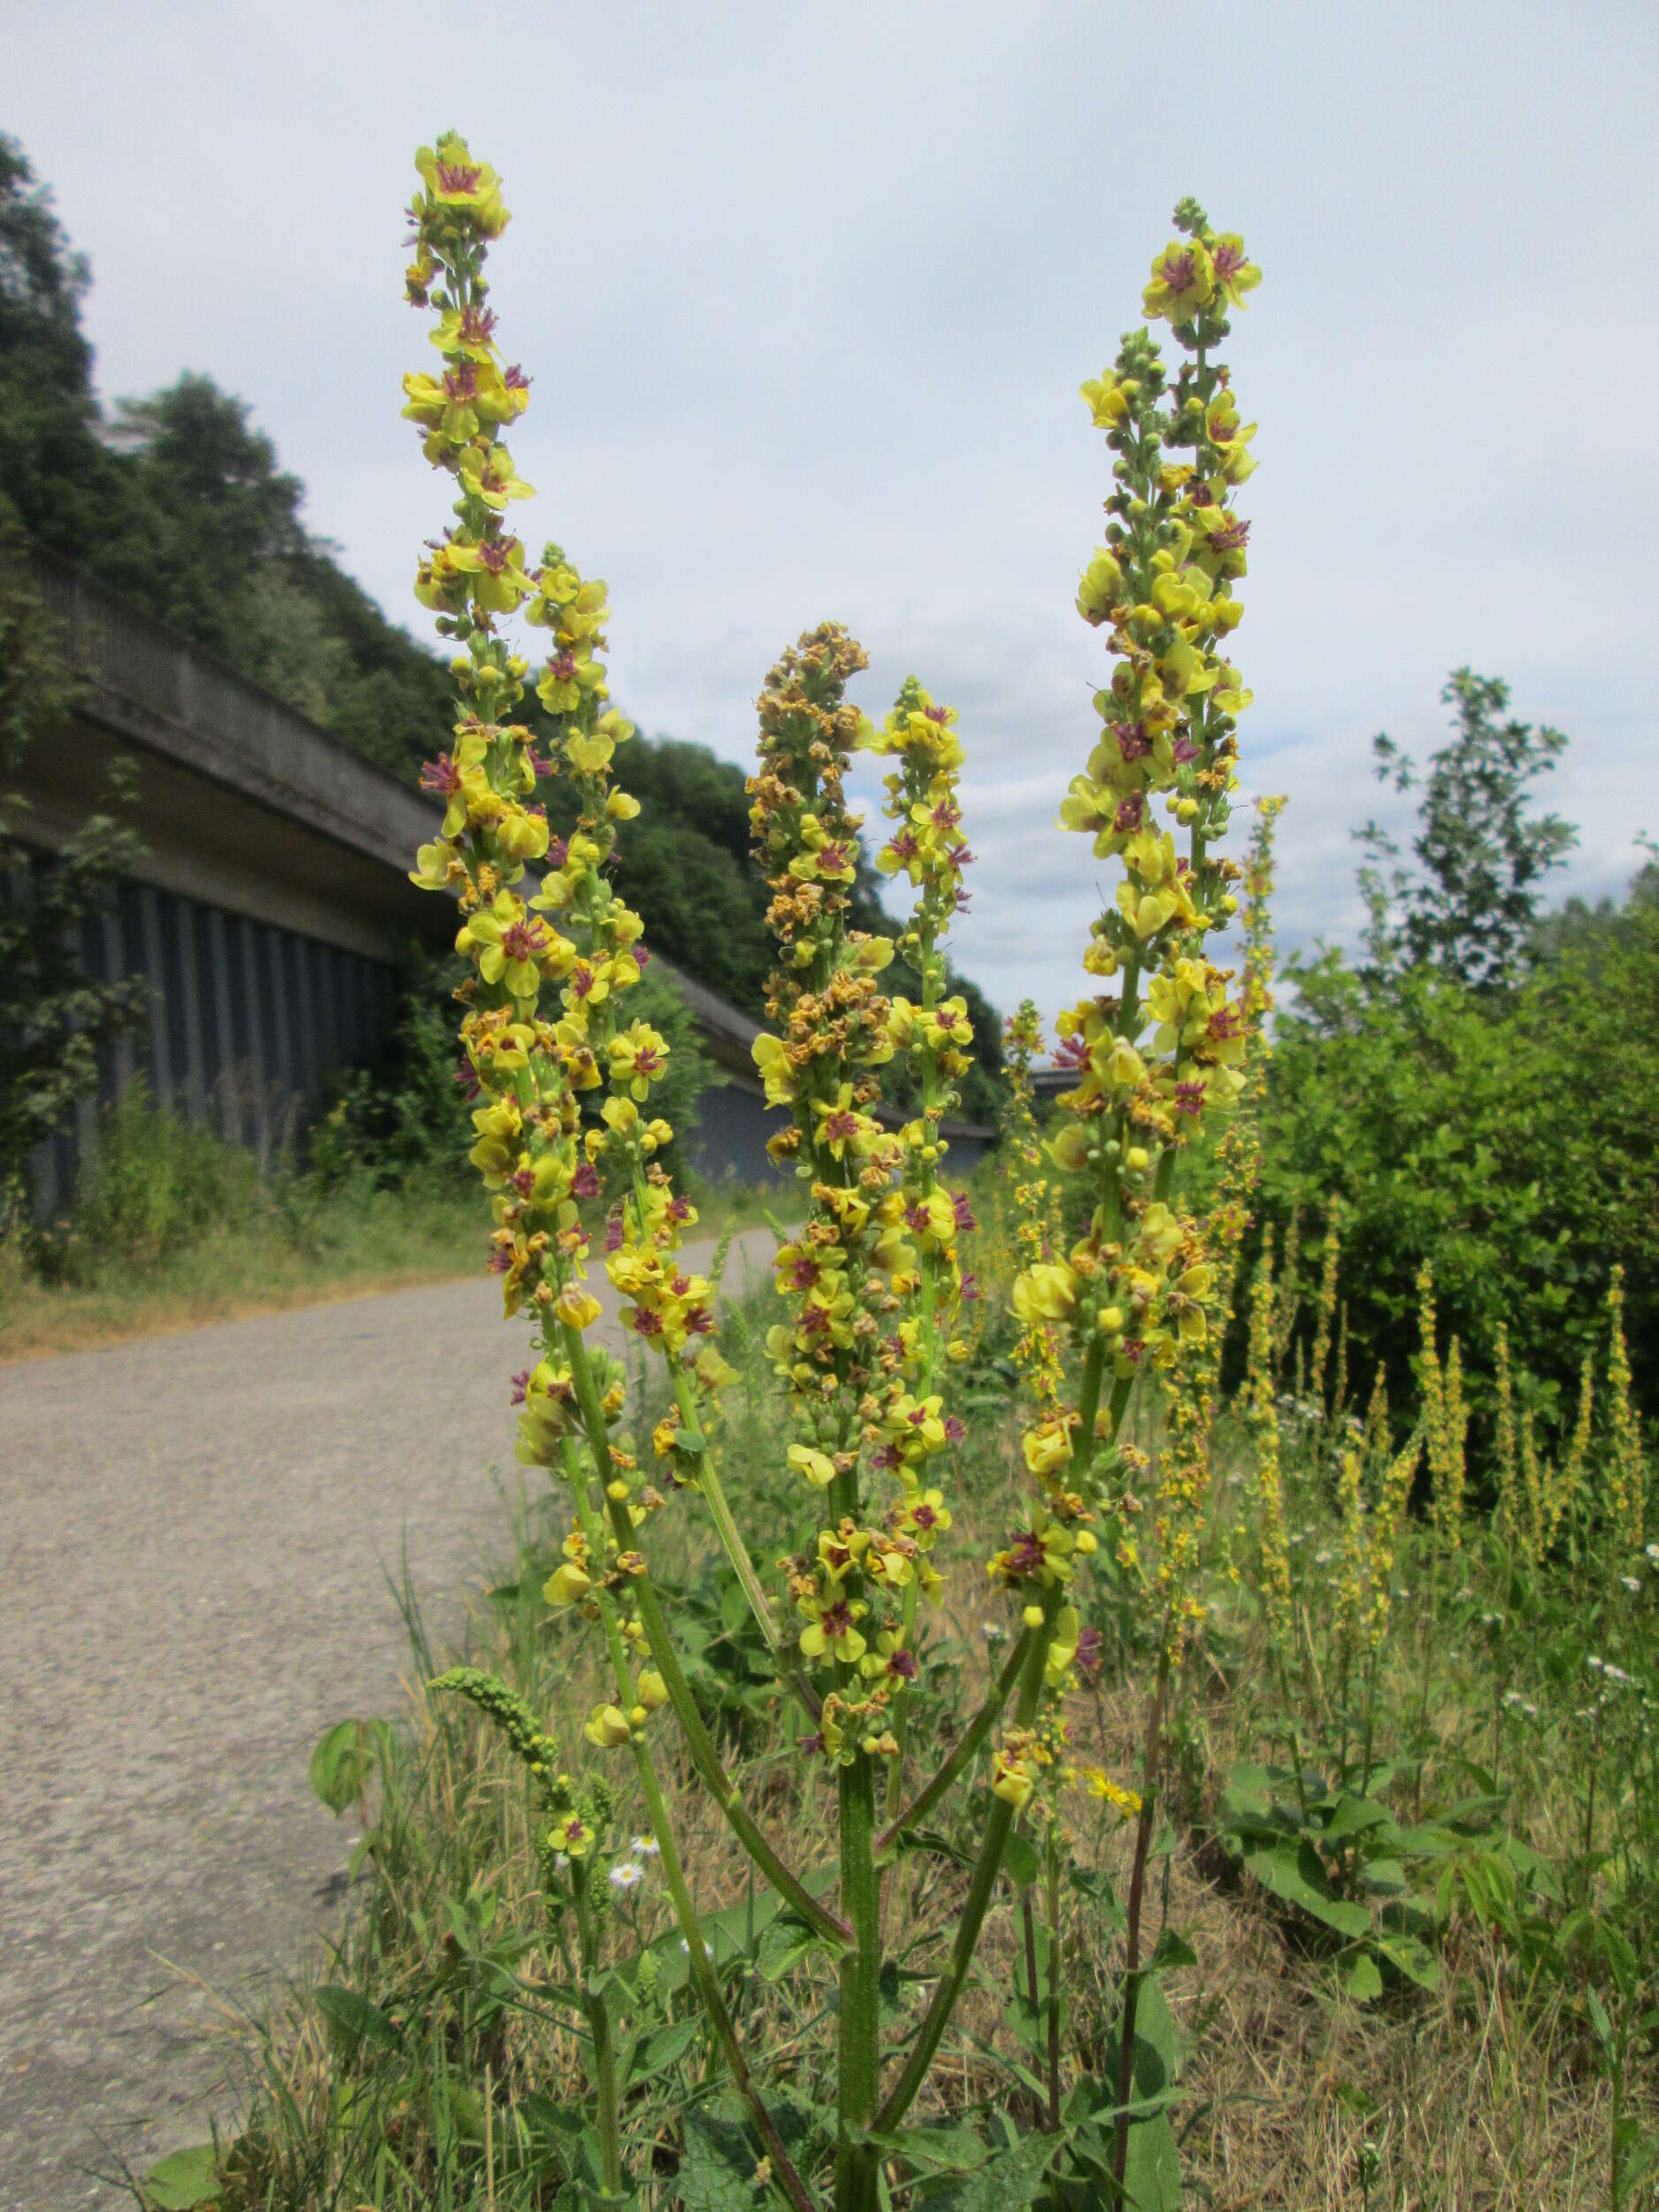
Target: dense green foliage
(179,504)
(54,1017)
(1483,1092)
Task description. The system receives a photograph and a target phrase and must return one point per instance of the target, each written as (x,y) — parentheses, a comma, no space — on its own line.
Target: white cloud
(807,295)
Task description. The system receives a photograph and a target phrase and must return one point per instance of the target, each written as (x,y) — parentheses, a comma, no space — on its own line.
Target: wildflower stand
(872,1285)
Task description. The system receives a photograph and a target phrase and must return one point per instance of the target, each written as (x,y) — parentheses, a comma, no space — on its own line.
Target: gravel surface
(193,1586)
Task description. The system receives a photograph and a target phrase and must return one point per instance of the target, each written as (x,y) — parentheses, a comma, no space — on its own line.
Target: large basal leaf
(1007,2182)
(716,2173)
(1412,1958)
(1295,1875)
(1361,1977)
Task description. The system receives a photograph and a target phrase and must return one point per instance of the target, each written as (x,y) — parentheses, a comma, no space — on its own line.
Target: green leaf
(183,2180)
(1152,2171)
(353,2019)
(717,2171)
(1361,1977)
(1173,1950)
(1411,1957)
(1352,1816)
(1295,1876)
(1005,2183)
(1021,1862)
(659,2050)
(344,1760)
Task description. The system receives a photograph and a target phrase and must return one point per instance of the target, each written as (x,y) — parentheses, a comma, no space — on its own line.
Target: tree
(1469,904)
(56,478)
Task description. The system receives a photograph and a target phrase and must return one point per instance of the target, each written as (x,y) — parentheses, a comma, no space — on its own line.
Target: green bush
(1509,1136)
(156,1183)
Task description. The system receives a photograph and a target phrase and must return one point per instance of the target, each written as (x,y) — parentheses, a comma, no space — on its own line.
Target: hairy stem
(986,1868)
(1137,1894)
(967,1747)
(673,1876)
(599,2028)
(1053,1855)
(705,1758)
(860,2038)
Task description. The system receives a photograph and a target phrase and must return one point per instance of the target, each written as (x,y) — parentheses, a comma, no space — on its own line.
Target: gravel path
(191,1589)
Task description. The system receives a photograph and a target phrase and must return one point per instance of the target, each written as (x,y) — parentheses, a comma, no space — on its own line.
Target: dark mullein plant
(872,1286)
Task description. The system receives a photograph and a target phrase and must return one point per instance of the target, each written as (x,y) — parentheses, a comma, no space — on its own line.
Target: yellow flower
(576,1308)
(1047,1447)
(566,1585)
(607,1726)
(771,1058)
(1183,281)
(1233,274)
(1047,1292)
(457,185)
(572,1835)
(1100,588)
(487,473)
(1107,397)
(1012,1781)
(638,1057)
(832,1631)
(817,1466)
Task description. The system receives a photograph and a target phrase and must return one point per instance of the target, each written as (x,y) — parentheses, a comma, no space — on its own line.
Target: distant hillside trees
(178,502)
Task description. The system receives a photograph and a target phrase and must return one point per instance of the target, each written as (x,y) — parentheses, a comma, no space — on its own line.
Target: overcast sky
(807,293)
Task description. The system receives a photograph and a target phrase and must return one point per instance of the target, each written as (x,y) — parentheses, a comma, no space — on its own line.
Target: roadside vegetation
(1131,1682)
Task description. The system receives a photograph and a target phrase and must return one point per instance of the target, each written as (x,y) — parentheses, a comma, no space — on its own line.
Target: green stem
(783,2169)
(859,2075)
(599,2028)
(1054,1978)
(673,1876)
(1137,1894)
(986,1868)
(784,1656)
(704,1757)
(967,1745)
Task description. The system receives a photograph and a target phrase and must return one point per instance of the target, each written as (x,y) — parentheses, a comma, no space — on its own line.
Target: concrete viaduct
(273,908)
